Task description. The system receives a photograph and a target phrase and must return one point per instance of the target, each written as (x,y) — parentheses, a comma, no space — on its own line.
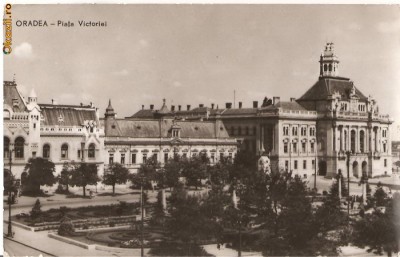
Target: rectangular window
(212,157)
(111,158)
(285,147)
(221,156)
(144,158)
(79,154)
(133,158)
(312,147)
(33,154)
(184,155)
(230,156)
(285,131)
(122,158)
(304,164)
(165,157)
(313,164)
(34,125)
(295,165)
(385,162)
(286,165)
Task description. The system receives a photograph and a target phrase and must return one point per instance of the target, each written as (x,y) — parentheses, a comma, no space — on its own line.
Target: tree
(83,175)
(40,172)
(9,182)
(380,230)
(329,215)
(380,197)
(195,169)
(172,171)
(187,224)
(115,174)
(295,207)
(147,171)
(65,176)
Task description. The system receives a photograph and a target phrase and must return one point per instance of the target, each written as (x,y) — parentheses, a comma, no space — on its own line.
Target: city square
(133,161)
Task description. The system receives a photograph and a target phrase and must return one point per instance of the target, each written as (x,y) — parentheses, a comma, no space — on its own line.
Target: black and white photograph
(201,129)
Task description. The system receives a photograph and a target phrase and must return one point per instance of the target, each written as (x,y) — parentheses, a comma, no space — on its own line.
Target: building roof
(326,86)
(66,115)
(157,128)
(11,94)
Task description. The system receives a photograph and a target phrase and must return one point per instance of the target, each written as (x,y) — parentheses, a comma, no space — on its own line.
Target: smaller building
(131,141)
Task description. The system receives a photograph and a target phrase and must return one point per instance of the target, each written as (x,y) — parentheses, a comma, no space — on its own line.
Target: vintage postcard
(201,129)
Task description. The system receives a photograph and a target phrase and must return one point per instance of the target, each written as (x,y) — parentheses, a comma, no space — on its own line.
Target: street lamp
(10,232)
(348,153)
(142,213)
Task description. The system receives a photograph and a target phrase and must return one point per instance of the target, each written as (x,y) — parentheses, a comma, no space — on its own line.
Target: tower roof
(164,108)
(32,94)
(109,109)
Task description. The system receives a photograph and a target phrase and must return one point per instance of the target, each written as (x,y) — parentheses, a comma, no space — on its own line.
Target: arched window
(46,151)
(64,151)
(362,148)
(6,149)
(92,151)
(325,67)
(330,67)
(19,147)
(353,141)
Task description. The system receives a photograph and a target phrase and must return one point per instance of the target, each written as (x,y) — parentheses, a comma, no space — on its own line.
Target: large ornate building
(330,124)
(316,133)
(61,133)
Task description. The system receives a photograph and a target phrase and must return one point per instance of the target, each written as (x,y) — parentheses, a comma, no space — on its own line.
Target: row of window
(303,131)
(294,147)
(296,166)
(246,131)
(145,156)
(65,151)
(19,147)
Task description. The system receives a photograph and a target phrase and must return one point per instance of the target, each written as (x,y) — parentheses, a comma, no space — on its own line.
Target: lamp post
(240,236)
(348,153)
(142,214)
(10,232)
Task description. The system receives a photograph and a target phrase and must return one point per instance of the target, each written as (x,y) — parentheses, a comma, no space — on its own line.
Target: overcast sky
(192,54)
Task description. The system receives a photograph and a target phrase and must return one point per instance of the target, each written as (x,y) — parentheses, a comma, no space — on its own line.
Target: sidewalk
(41,241)
(227,252)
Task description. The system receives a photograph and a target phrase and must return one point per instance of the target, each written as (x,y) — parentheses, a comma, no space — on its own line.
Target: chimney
(142,106)
(293,99)
(212,106)
(201,105)
(255,104)
(172,108)
(151,106)
(276,100)
(240,105)
(52,101)
(179,107)
(188,107)
(228,105)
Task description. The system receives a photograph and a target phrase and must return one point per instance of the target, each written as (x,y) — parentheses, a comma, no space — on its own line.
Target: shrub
(66,227)
(324,192)
(111,224)
(36,211)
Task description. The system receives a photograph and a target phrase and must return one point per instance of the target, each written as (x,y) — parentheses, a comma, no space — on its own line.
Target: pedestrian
(352,204)
(218,246)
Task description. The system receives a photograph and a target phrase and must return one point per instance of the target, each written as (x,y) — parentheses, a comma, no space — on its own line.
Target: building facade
(333,127)
(331,124)
(131,141)
(60,133)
